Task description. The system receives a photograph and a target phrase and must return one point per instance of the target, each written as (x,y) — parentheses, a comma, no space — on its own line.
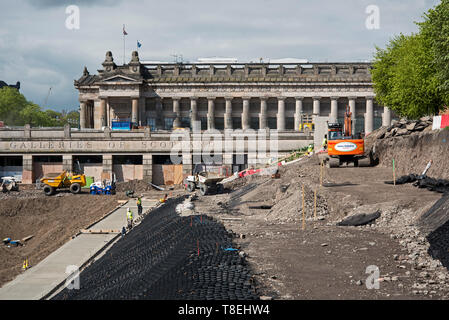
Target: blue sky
(38,50)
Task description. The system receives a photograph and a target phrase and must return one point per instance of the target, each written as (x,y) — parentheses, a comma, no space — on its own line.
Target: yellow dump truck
(63,180)
(306,124)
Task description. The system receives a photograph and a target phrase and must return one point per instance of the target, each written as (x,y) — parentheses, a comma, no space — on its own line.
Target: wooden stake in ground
(314,204)
(394,175)
(303,210)
(321,172)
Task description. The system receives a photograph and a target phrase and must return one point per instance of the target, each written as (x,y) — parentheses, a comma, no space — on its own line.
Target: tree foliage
(16,110)
(435,28)
(411,75)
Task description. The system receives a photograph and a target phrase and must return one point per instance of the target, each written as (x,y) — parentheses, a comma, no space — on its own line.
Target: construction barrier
(440,122)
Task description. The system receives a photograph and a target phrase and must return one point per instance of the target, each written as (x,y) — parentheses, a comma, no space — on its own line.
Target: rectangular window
(219,123)
(203,123)
(185,122)
(254,123)
(168,123)
(289,123)
(272,123)
(237,122)
(151,122)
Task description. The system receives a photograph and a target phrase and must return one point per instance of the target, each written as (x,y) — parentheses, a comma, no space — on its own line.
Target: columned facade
(281,114)
(210,113)
(238,96)
(298,112)
(369,115)
(263,113)
(316,105)
(245,114)
(228,113)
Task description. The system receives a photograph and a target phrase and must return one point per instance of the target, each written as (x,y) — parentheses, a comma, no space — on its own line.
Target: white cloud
(37,49)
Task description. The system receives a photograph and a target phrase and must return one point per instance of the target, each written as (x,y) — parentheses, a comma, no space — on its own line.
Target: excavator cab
(343,147)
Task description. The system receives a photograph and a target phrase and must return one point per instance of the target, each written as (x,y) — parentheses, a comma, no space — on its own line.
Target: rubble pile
(405,127)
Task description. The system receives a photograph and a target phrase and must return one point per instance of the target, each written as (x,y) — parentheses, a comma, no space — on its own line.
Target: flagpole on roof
(124,34)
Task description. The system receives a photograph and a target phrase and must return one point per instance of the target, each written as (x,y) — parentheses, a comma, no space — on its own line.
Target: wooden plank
(27,238)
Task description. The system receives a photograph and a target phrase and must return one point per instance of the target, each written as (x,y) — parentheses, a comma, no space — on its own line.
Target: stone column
(263,113)
(281,113)
(67,162)
(334,110)
(27,169)
(210,113)
(83,114)
(316,106)
(352,109)
(147,162)
(298,112)
(194,114)
(245,114)
(135,110)
(369,115)
(177,112)
(102,112)
(228,113)
(107,165)
(386,119)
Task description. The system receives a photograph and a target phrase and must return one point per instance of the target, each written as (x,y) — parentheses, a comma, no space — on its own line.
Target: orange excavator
(344,147)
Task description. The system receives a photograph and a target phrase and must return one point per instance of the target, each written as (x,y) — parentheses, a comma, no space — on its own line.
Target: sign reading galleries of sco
(55,146)
(86,146)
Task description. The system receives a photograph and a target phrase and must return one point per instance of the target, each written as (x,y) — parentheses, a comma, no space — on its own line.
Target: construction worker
(129,218)
(325,142)
(139,206)
(310,149)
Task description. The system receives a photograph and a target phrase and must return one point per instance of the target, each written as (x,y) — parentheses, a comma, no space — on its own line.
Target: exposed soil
(326,261)
(52,221)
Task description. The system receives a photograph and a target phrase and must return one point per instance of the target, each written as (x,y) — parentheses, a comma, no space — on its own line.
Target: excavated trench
(168,257)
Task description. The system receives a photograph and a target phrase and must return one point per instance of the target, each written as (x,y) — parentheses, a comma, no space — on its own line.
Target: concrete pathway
(38,281)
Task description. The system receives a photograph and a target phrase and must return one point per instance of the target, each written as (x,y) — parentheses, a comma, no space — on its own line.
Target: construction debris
(359,219)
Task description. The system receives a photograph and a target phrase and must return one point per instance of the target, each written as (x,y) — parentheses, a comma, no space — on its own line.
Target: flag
(124,32)
(138,44)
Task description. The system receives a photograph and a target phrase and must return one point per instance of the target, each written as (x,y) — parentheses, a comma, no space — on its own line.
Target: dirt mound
(134,185)
(52,221)
(279,199)
(412,152)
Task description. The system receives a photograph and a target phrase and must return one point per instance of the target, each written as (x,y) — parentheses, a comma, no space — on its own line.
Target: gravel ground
(325,261)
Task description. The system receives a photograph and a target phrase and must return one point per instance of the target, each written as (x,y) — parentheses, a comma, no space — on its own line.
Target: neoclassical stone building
(227,96)
(263,104)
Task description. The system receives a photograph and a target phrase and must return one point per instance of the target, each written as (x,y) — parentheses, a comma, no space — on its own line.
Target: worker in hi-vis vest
(324,145)
(129,218)
(139,205)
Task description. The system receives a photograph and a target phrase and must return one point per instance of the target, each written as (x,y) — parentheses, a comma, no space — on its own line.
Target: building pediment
(120,78)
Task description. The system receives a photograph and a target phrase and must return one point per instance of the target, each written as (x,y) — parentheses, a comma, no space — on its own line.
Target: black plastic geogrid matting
(159,259)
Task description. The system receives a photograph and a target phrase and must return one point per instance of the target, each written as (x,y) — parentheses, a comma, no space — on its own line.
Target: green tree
(11,103)
(404,77)
(73,118)
(33,115)
(435,28)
